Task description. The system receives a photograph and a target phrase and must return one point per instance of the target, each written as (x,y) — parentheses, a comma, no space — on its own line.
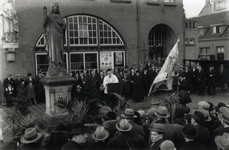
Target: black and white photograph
(114,74)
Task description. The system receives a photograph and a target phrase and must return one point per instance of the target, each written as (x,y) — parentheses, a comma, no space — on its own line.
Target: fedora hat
(225,115)
(100,134)
(30,136)
(204,105)
(129,114)
(155,101)
(167,145)
(78,128)
(206,115)
(123,125)
(137,142)
(222,141)
(157,127)
(189,131)
(162,112)
(198,116)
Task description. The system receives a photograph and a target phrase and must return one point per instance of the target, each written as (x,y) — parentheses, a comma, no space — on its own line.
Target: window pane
(42,63)
(76,61)
(90,61)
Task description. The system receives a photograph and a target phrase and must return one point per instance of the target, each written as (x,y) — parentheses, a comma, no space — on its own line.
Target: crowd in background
(30,88)
(135,82)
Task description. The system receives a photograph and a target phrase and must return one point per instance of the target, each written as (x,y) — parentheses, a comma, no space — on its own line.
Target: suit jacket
(156,145)
(27,81)
(203,137)
(119,142)
(6,82)
(136,129)
(201,79)
(99,146)
(71,145)
(192,145)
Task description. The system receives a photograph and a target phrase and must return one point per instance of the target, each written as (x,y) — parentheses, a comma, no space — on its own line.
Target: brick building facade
(126,31)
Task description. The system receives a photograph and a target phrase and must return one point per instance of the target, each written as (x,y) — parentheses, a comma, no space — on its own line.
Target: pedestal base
(49,123)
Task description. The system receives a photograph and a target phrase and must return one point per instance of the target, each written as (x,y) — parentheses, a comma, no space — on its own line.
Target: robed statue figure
(54,36)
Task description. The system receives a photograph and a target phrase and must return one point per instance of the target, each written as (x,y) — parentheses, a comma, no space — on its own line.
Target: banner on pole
(164,79)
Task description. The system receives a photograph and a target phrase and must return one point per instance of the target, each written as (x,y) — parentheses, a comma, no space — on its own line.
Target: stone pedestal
(56,87)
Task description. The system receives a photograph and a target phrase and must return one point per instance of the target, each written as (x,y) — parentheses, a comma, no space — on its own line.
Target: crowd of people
(30,88)
(135,82)
(152,129)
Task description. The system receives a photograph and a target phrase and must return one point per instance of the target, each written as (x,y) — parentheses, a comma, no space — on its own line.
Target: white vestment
(109,79)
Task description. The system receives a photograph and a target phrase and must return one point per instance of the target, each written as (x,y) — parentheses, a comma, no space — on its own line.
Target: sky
(193,7)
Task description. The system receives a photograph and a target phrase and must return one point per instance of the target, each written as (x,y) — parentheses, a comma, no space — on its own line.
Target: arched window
(85,36)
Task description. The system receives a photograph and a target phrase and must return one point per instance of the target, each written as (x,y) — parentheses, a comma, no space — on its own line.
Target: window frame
(84,62)
(43,53)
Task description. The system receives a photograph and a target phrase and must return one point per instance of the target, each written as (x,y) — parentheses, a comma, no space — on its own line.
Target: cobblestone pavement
(221,96)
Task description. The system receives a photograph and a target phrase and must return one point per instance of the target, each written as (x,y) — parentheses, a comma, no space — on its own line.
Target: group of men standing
(199,79)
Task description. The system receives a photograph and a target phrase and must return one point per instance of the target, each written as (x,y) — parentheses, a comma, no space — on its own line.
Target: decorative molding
(153,2)
(121,1)
(69,89)
(52,90)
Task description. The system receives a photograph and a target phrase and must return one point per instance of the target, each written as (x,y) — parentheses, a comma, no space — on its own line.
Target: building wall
(191,50)
(122,16)
(213,46)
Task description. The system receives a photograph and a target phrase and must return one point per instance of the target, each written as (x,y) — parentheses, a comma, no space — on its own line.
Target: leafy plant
(80,109)
(122,102)
(20,122)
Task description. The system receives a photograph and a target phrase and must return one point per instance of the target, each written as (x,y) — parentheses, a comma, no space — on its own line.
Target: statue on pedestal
(10,25)
(54,36)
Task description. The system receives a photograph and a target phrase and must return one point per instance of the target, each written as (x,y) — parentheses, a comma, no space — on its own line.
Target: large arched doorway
(160,41)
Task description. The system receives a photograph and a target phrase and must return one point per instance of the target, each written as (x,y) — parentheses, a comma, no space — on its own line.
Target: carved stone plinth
(56,87)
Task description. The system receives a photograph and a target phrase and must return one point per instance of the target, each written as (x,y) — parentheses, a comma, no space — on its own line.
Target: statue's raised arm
(54,35)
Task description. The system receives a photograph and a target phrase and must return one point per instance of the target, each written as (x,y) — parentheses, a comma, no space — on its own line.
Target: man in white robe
(109,78)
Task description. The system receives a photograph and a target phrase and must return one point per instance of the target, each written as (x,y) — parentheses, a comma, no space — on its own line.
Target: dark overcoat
(201,79)
(138,89)
(203,137)
(192,145)
(119,142)
(71,145)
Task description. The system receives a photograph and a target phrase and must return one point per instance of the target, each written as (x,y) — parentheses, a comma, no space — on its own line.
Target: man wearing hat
(223,77)
(221,108)
(8,80)
(211,80)
(138,88)
(99,135)
(110,120)
(183,84)
(190,133)
(201,80)
(130,116)
(188,77)
(198,120)
(222,141)
(119,142)
(17,82)
(172,130)
(78,137)
(31,139)
(156,134)
(29,80)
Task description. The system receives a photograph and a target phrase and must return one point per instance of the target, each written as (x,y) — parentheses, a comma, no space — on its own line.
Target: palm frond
(65,104)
